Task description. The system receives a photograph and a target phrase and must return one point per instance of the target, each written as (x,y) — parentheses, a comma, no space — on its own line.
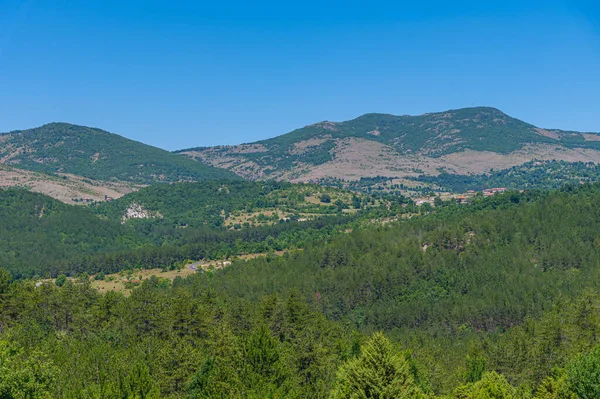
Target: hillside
(497,299)
(97,154)
(164,225)
(543,175)
(457,284)
(232,204)
(37,231)
(463,141)
(67,188)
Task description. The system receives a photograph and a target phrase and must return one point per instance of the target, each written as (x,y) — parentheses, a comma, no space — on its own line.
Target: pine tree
(379,372)
(491,386)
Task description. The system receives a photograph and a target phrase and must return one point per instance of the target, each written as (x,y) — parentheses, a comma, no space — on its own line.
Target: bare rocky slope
(67,188)
(463,141)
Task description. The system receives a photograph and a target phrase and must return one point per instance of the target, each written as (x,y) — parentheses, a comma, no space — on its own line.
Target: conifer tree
(491,386)
(379,372)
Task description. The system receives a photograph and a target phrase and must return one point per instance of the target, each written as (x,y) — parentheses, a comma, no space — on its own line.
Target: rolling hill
(97,154)
(462,141)
(37,231)
(165,224)
(496,299)
(231,204)
(67,188)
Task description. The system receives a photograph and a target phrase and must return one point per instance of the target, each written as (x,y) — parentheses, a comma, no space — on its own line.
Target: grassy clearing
(127,280)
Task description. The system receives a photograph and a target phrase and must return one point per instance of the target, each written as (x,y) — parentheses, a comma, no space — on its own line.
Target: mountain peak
(377,144)
(97,154)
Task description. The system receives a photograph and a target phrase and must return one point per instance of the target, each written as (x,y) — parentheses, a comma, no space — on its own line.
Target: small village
(464,198)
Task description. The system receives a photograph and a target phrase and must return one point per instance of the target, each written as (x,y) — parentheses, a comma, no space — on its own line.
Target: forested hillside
(37,231)
(544,175)
(97,154)
(169,224)
(497,299)
(228,203)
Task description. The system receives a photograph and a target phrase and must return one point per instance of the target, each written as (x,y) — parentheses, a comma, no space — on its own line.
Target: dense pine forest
(495,299)
(42,237)
(299,200)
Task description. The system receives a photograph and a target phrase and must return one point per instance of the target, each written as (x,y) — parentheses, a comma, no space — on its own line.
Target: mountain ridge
(465,141)
(329,123)
(60,147)
(383,144)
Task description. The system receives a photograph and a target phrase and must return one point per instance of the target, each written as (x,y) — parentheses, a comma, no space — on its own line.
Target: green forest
(495,299)
(42,237)
(97,154)
(545,175)
(212,203)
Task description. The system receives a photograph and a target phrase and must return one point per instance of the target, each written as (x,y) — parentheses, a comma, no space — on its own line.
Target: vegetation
(380,371)
(376,186)
(218,203)
(40,236)
(497,299)
(37,231)
(544,175)
(96,154)
(433,135)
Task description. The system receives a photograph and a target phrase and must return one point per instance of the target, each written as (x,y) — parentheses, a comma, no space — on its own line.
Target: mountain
(97,154)
(462,141)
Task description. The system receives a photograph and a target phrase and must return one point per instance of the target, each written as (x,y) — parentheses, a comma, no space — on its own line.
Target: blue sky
(182,73)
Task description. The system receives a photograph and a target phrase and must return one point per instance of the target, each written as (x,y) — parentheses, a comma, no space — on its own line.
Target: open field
(126,280)
(67,188)
(118,281)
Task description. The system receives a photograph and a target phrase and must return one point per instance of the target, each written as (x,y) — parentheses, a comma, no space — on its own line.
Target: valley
(482,277)
(468,261)
(299,200)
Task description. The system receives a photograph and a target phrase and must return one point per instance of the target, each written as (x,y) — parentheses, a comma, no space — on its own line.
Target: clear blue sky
(181,73)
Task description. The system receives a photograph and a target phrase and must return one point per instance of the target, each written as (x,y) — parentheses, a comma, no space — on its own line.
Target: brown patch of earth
(66,188)
(302,146)
(547,133)
(591,136)
(117,281)
(239,165)
(249,148)
(221,264)
(357,157)
(482,161)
